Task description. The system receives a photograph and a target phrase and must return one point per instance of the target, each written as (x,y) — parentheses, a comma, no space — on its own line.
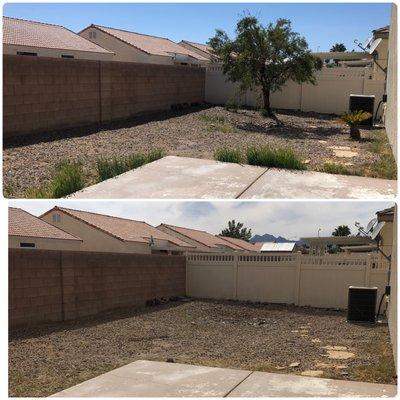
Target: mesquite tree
(265,57)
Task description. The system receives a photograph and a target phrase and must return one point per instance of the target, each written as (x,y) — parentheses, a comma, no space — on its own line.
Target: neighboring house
(141,48)
(25,231)
(322,245)
(272,247)
(381,36)
(31,38)
(246,246)
(201,240)
(202,49)
(105,233)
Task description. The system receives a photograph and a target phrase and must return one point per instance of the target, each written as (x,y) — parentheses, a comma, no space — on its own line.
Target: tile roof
(203,47)
(241,243)
(149,44)
(121,228)
(21,223)
(203,237)
(38,34)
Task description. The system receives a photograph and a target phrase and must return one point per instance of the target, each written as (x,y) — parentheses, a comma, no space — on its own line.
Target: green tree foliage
(236,230)
(265,57)
(338,47)
(341,230)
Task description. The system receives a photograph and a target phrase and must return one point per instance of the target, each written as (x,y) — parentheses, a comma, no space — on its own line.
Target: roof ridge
(35,22)
(136,33)
(102,215)
(190,229)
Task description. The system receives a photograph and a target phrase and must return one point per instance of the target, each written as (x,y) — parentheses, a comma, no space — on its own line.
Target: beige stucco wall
(43,243)
(123,51)
(56,53)
(93,239)
(391,84)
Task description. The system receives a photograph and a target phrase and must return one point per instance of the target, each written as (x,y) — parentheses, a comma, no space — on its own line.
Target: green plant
(228,155)
(68,179)
(332,168)
(107,169)
(353,120)
(278,158)
(213,119)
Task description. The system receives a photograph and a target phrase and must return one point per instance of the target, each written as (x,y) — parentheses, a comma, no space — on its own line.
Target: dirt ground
(274,338)
(196,132)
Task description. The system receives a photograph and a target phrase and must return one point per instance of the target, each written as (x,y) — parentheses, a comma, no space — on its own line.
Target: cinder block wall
(44,94)
(47,285)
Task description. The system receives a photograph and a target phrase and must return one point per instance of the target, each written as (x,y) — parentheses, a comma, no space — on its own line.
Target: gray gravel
(195,133)
(49,358)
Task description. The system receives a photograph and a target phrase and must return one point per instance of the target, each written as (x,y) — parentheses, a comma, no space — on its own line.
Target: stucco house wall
(14,242)
(94,239)
(391,84)
(123,51)
(56,53)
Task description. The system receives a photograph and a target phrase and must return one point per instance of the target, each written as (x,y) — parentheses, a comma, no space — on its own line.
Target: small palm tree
(353,120)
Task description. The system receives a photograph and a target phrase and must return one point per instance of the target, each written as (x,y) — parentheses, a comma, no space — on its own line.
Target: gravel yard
(277,338)
(197,132)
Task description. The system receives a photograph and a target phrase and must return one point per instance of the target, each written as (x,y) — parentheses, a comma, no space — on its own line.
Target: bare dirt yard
(197,132)
(274,338)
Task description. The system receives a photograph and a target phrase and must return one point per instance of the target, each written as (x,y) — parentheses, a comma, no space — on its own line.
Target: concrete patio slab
(262,384)
(282,183)
(192,178)
(160,379)
(177,177)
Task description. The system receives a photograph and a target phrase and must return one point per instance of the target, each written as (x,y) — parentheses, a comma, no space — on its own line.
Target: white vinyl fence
(330,95)
(317,281)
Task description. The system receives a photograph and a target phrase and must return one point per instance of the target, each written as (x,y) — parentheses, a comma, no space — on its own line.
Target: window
(27,245)
(56,217)
(66,56)
(25,53)
(92,34)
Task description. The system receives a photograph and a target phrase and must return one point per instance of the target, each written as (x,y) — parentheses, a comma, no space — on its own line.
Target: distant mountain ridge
(271,238)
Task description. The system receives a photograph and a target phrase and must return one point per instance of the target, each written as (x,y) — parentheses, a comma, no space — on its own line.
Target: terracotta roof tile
(203,47)
(21,223)
(149,44)
(203,237)
(241,243)
(37,34)
(124,229)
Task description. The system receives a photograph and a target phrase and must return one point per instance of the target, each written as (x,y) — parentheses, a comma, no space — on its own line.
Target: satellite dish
(371,225)
(372,47)
(367,42)
(377,229)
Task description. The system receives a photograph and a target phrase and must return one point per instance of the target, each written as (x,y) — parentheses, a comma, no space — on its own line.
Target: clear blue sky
(321,24)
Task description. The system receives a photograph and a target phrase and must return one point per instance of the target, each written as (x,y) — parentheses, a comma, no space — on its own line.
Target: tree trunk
(267,112)
(267,104)
(355,132)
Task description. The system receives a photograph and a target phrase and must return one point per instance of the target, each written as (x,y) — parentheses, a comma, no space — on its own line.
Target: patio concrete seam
(251,184)
(238,384)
